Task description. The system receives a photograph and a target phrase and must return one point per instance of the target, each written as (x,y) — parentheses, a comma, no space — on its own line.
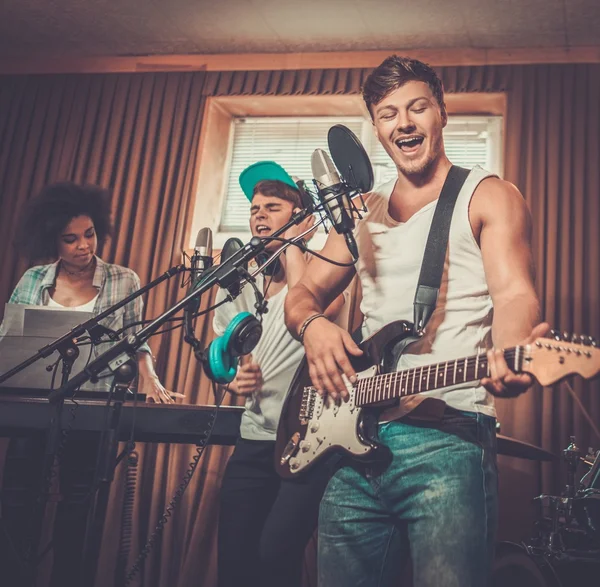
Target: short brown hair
(274,188)
(393,73)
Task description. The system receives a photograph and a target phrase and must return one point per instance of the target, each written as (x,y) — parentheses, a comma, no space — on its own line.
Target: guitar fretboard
(380,388)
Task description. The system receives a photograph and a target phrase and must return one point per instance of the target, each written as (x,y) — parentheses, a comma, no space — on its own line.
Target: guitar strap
(432,266)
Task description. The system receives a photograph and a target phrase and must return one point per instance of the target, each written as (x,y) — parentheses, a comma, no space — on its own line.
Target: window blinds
(469,141)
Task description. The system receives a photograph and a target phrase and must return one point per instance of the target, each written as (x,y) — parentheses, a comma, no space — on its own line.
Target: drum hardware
(569,521)
(565,548)
(568,528)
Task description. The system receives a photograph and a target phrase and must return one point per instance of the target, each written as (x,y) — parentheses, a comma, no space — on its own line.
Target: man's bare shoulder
(496,198)
(493,190)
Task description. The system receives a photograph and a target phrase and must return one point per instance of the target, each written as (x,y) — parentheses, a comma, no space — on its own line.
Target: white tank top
(390,257)
(277,353)
(87,307)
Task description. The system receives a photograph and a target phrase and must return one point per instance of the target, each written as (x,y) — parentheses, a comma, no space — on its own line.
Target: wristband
(306,323)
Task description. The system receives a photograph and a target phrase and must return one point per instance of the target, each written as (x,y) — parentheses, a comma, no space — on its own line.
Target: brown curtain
(139,135)
(552,153)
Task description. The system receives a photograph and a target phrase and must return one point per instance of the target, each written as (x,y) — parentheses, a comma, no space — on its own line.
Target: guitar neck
(388,386)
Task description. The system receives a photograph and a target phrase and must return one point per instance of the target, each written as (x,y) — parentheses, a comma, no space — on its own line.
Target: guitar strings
(372,384)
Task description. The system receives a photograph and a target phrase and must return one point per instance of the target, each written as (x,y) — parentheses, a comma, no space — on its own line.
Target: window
(290,141)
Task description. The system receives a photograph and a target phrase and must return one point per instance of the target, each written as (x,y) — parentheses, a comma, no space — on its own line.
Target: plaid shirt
(113,282)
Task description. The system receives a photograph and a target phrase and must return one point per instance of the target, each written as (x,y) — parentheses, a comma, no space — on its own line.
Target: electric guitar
(311,426)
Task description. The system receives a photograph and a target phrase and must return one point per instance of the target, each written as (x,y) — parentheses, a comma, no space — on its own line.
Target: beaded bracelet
(306,323)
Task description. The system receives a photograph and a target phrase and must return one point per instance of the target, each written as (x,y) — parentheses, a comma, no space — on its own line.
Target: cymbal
(512,447)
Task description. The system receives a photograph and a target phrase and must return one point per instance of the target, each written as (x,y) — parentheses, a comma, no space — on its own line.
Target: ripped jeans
(435,502)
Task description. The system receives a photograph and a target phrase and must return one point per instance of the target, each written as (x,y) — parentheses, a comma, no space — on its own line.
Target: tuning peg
(555,334)
(566,336)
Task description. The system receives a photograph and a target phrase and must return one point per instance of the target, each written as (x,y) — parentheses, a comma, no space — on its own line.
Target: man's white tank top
(390,257)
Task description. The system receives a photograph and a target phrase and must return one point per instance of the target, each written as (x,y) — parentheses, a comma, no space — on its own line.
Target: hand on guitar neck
(503,382)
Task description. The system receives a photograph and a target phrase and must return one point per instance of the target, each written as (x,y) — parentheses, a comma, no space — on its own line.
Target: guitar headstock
(551,359)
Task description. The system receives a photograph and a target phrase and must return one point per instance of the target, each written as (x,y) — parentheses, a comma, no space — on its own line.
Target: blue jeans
(435,501)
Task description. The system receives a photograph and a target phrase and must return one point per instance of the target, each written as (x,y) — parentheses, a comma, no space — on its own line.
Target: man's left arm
(504,223)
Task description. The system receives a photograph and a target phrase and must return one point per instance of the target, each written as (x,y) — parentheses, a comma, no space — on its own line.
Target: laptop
(27,329)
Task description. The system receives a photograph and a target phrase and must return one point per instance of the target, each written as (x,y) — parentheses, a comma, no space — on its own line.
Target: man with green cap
(265,522)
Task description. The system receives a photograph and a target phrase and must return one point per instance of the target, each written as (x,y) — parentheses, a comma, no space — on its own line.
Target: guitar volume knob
(305,446)
(314,426)
(294,463)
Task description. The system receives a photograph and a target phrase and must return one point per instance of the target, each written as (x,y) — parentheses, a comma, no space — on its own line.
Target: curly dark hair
(393,73)
(48,213)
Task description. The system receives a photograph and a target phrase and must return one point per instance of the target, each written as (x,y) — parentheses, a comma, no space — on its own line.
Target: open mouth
(409,144)
(262,229)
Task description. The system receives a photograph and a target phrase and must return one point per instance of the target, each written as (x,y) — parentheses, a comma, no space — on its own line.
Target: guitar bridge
(307,406)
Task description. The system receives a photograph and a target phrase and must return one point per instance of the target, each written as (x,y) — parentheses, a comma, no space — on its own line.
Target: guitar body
(311,426)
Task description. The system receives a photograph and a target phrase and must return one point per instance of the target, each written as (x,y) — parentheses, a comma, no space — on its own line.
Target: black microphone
(201,261)
(231,247)
(334,196)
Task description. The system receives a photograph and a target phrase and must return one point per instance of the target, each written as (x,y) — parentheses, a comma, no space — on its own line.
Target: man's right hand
(248,378)
(327,347)
(297,229)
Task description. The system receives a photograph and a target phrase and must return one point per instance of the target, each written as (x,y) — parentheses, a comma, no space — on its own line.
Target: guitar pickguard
(330,426)
(310,427)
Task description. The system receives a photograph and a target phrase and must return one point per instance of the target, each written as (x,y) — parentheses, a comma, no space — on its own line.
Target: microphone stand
(225,275)
(69,352)
(106,462)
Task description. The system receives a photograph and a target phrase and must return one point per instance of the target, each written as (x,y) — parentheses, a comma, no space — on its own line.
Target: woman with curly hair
(65,224)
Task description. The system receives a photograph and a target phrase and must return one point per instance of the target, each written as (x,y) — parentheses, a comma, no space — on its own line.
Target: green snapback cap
(263,170)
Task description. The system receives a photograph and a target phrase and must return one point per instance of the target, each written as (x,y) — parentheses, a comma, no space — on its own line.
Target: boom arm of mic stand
(88,326)
(114,357)
(224,275)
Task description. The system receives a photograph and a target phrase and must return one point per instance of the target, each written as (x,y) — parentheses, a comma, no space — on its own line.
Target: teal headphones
(221,360)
